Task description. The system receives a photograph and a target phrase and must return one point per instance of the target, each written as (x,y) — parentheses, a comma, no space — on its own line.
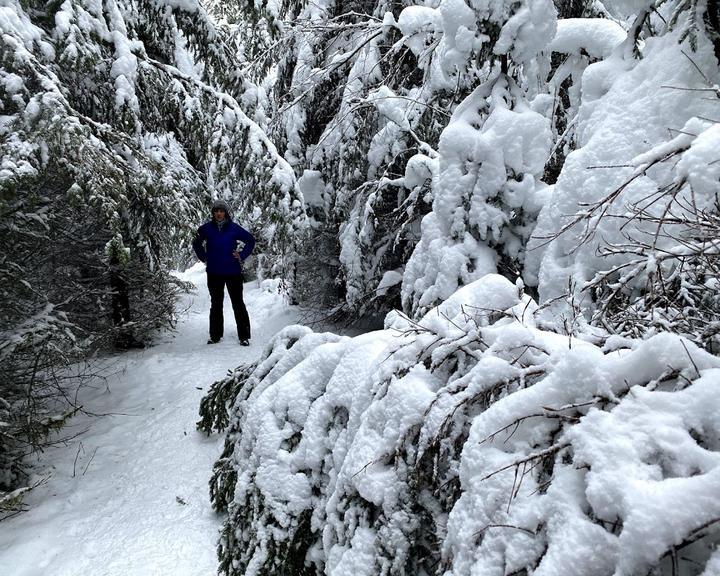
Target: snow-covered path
(129,496)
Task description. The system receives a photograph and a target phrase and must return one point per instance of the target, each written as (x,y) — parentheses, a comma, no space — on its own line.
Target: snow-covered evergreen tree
(469,441)
(119,120)
(486,432)
(629,225)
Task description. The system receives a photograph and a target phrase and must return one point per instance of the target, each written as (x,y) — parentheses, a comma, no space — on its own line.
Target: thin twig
(90,461)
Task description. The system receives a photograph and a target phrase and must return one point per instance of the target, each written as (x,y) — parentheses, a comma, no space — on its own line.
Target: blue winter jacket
(215,245)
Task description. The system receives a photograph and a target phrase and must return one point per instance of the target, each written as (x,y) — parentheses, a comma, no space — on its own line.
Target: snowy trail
(138,502)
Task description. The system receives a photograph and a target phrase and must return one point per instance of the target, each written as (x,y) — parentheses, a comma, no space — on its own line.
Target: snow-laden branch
(467,440)
(283,173)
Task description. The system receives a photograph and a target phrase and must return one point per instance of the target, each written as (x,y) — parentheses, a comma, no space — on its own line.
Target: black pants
(216,287)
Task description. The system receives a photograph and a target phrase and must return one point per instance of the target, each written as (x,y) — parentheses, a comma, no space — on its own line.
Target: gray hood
(224,205)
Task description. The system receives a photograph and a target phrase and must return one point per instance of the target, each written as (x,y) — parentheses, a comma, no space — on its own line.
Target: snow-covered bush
(471,441)
(665,272)
(486,194)
(492,155)
(631,221)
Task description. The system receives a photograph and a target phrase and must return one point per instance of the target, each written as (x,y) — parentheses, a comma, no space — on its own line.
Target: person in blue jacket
(217,244)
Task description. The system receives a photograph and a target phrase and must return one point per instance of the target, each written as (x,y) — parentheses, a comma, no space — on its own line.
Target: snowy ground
(129,496)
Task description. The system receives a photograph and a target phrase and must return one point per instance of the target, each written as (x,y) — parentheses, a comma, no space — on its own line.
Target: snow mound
(597,37)
(469,442)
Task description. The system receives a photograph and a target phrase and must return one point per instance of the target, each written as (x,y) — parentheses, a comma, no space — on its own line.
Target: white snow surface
(138,503)
(596,36)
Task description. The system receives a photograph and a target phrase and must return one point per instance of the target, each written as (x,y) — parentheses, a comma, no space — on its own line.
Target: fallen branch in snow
(215,405)
(599,209)
(11,503)
(479,532)
(516,424)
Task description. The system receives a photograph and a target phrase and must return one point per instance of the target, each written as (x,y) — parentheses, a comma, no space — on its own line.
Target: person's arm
(198,244)
(249,243)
